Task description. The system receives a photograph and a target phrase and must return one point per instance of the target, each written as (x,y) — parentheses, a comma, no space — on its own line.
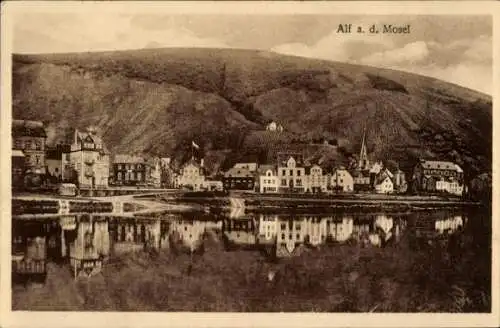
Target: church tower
(363,163)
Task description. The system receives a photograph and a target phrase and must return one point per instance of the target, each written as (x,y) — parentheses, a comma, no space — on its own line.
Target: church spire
(363,154)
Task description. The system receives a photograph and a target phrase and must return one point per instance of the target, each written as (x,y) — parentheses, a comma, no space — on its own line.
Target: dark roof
(22,128)
(238,173)
(438,165)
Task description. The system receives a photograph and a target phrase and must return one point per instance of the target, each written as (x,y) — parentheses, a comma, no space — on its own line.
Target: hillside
(157,100)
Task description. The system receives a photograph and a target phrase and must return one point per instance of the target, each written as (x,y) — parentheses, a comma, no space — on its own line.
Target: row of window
(441,172)
(129,176)
(129,166)
(33,144)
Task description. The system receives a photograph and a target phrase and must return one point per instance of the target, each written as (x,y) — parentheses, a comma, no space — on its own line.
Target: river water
(391,257)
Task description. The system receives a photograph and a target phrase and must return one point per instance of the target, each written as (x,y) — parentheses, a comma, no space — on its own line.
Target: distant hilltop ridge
(156,101)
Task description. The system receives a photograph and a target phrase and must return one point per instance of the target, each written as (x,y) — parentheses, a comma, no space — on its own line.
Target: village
(87,164)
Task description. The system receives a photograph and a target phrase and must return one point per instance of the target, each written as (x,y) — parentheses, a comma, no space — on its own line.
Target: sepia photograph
(249,162)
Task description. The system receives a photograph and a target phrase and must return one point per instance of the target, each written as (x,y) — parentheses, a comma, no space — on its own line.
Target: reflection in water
(86,243)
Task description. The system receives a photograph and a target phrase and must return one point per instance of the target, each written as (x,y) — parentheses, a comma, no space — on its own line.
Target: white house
(291,176)
(315,180)
(384,185)
(191,176)
(342,180)
(89,158)
(341,231)
(273,126)
(268,180)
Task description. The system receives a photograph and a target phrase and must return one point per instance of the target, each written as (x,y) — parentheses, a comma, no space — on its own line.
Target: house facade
(268,180)
(315,180)
(361,180)
(239,178)
(88,158)
(30,137)
(274,127)
(383,184)
(191,176)
(291,176)
(129,170)
(341,180)
(427,174)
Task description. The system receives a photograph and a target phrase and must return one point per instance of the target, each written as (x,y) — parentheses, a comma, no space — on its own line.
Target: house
(129,170)
(54,161)
(383,183)
(361,180)
(268,228)
(18,168)
(29,137)
(315,180)
(291,176)
(274,127)
(239,178)
(426,175)
(341,180)
(88,159)
(267,179)
(191,176)
(449,185)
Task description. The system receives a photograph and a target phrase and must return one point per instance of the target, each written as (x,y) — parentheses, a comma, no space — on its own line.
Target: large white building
(88,158)
(291,176)
(191,176)
(315,180)
(268,180)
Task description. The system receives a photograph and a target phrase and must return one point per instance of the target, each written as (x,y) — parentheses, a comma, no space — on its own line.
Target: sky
(457,49)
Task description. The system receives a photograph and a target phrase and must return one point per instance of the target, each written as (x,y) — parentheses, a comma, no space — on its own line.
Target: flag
(195,145)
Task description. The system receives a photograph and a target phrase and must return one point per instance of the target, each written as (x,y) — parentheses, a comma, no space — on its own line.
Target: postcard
(230,164)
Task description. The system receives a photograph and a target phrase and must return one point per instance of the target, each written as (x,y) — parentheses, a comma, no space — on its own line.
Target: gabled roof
(381,178)
(22,128)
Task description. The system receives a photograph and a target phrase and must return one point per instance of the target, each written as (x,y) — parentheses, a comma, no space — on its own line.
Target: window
(283,182)
(298,173)
(37,159)
(283,172)
(298,236)
(298,182)
(291,172)
(119,176)
(282,236)
(283,226)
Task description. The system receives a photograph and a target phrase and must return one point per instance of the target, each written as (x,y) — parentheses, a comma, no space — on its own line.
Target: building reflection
(85,243)
(189,234)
